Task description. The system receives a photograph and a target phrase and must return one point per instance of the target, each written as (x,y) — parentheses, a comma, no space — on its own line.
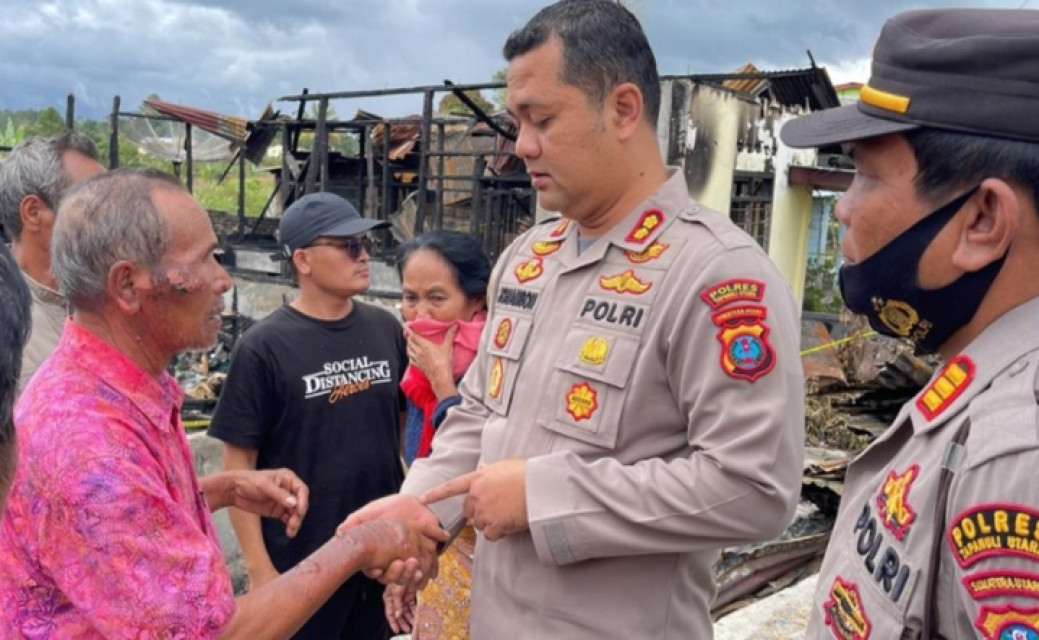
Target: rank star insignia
(503,333)
(946,387)
(594,351)
(545,247)
(893,501)
(648,221)
(626,282)
(652,252)
(746,352)
(529,270)
(1008,623)
(497,379)
(560,229)
(582,401)
(844,613)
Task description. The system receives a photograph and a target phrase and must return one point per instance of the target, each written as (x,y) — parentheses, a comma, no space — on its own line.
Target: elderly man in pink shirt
(107,532)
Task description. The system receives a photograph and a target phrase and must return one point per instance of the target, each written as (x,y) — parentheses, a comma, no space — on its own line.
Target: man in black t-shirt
(315,387)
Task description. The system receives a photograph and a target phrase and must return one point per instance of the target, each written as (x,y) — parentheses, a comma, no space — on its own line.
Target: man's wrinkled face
(182,310)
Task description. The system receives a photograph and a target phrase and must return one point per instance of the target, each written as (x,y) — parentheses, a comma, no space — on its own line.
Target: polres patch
(954,378)
(736,290)
(844,612)
(893,501)
(746,352)
(987,530)
(1008,623)
(1002,583)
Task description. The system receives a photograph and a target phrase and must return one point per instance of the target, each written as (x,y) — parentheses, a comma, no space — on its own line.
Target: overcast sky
(233,56)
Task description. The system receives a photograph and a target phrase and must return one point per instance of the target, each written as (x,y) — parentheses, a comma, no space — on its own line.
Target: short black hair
(603,46)
(950,161)
(467,259)
(14,331)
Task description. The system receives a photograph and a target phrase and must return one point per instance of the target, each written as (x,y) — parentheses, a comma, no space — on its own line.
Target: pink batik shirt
(106,532)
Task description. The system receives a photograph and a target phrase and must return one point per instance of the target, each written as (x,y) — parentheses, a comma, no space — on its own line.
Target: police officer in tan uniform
(938,530)
(637,402)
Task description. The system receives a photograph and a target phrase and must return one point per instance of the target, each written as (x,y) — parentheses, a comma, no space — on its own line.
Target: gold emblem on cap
(884,100)
(898,316)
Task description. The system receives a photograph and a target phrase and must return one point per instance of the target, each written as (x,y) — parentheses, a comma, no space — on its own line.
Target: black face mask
(885,288)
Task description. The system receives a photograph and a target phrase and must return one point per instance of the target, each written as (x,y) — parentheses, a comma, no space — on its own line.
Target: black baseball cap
(967,70)
(321,214)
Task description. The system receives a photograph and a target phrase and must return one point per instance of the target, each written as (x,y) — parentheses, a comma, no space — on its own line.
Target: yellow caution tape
(837,343)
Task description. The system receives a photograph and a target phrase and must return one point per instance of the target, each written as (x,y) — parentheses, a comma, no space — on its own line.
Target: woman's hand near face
(435,361)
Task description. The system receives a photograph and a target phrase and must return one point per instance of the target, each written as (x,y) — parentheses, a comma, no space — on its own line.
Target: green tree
(500,94)
(48,123)
(451,104)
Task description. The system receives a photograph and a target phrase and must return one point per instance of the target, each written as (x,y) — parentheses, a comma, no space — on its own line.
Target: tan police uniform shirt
(874,576)
(653,384)
(48,312)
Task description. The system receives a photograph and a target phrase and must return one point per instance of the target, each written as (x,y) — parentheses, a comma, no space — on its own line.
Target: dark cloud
(235,55)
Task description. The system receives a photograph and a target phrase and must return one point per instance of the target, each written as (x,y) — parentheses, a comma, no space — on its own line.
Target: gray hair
(603,46)
(105,219)
(34,168)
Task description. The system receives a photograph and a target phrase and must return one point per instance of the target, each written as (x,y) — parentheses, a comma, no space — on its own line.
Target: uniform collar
(158,399)
(952,387)
(636,232)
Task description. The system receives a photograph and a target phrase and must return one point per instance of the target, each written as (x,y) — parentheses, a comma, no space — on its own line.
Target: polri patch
(626,282)
(648,221)
(954,378)
(650,253)
(736,290)
(1008,623)
(529,270)
(1002,583)
(844,613)
(746,352)
(582,401)
(893,501)
(545,247)
(503,333)
(987,530)
(497,381)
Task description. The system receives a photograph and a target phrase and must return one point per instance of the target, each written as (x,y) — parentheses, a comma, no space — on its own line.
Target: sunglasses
(351,245)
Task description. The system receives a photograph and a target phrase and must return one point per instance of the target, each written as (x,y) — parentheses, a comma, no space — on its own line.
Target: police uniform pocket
(850,604)
(589,384)
(508,338)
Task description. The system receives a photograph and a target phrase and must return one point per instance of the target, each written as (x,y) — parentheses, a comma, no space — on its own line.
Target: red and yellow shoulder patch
(946,387)
(652,252)
(844,612)
(648,221)
(893,501)
(529,270)
(737,290)
(1008,623)
(546,247)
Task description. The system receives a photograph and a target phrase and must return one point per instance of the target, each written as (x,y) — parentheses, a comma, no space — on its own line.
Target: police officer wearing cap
(938,531)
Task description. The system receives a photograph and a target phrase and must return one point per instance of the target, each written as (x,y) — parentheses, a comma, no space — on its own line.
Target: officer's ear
(995,216)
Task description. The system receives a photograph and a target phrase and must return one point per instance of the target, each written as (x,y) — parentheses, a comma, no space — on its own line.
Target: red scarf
(416,385)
